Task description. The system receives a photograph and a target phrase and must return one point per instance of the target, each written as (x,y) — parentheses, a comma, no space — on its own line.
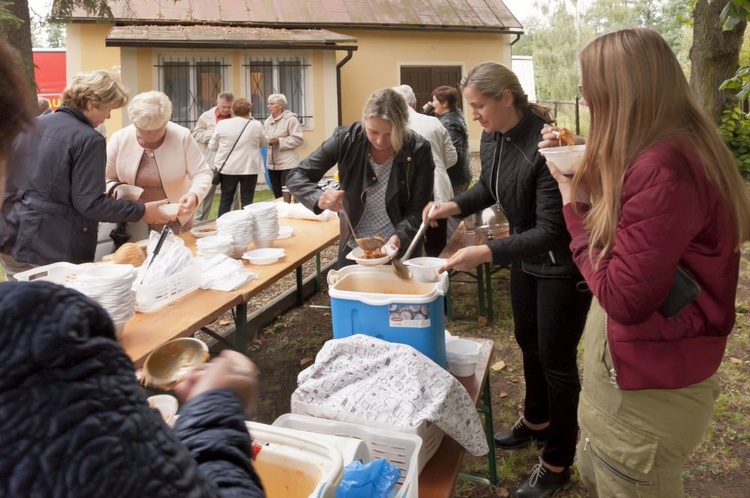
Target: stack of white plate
(110,285)
(265,223)
(239,226)
(213,245)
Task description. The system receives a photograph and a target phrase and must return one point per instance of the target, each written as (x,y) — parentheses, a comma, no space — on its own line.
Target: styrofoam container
(566,158)
(167,406)
(463,356)
(170,209)
(293,465)
(375,302)
(425,269)
(399,448)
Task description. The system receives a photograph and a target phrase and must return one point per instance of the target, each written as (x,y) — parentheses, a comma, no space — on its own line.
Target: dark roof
(453,15)
(227,37)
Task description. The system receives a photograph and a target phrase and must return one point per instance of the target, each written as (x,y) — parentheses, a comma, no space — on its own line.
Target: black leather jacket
(409,187)
(454,122)
(515,176)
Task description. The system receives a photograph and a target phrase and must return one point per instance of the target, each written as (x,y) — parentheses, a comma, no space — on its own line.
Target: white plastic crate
(59,273)
(151,297)
(399,448)
(430,433)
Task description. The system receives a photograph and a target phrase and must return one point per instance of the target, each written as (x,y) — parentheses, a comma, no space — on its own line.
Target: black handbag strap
(230,150)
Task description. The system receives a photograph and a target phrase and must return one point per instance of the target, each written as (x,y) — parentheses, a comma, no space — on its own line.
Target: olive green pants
(634,443)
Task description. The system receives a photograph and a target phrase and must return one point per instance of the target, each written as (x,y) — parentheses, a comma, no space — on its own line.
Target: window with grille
(192,84)
(268,75)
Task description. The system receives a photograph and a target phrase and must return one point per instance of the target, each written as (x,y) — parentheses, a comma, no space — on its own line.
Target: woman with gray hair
(385,173)
(284,137)
(54,196)
(159,156)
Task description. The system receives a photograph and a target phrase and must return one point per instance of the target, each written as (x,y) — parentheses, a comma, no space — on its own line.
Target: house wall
(377,63)
(86,51)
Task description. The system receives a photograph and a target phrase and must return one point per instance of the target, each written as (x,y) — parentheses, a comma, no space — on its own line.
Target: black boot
(543,483)
(518,436)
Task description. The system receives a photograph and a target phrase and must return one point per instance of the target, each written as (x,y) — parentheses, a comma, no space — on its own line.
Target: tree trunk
(18,36)
(714,57)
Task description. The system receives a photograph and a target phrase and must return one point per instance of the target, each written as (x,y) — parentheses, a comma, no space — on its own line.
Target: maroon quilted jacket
(671,215)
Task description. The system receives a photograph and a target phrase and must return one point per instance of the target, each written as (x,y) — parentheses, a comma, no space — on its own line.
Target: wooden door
(424,79)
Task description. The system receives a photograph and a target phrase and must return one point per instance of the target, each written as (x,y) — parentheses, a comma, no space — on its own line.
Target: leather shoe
(519,435)
(543,483)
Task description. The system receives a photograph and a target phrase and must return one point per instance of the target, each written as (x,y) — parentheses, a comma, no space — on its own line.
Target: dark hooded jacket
(75,423)
(55,192)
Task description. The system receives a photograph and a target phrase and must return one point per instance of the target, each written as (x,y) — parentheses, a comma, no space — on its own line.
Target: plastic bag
(376,479)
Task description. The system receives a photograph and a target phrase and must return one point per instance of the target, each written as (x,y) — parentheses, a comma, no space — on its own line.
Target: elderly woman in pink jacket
(158,156)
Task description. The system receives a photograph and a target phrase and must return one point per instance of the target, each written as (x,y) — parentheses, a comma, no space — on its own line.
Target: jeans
(229,187)
(549,316)
(278,180)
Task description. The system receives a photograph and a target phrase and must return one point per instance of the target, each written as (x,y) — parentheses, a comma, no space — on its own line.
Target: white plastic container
(59,273)
(151,297)
(425,269)
(292,465)
(430,434)
(463,356)
(399,448)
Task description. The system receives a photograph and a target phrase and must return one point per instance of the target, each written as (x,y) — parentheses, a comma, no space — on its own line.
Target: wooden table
(439,476)
(187,315)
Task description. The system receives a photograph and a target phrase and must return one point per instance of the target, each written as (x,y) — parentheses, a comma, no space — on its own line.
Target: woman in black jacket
(548,311)
(385,171)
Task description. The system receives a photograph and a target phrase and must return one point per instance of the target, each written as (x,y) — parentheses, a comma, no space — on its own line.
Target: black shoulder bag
(217,174)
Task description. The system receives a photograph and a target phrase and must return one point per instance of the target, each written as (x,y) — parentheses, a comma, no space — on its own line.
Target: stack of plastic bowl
(110,285)
(213,245)
(265,224)
(239,226)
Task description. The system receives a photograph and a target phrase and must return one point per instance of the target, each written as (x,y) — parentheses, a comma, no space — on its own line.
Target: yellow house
(326,56)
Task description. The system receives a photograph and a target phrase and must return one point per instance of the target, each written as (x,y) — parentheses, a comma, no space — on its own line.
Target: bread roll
(129,254)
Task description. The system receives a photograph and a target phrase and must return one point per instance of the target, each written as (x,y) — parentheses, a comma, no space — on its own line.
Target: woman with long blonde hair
(657,212)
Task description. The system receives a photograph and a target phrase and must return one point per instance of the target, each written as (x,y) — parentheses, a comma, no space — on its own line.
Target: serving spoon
(367,244)
(399,268)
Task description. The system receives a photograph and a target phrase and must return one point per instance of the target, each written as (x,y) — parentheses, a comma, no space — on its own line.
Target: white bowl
(566,158)
(425,269)
(285,231)
(204,231)
(170,209)
(357,252)
(112,271)
(462,356)
(167,406)
(267,256)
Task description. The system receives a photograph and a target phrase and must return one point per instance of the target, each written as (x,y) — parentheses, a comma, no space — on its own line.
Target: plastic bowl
(566,158)
(425,269)
(285,231)
(167,406)
(168,363)
(170,209)
(263,256)
(462,356)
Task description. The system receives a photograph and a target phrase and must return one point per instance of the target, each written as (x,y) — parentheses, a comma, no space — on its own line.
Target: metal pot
(492,216)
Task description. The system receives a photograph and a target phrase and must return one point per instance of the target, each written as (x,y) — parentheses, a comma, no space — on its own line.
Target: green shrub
(735,129)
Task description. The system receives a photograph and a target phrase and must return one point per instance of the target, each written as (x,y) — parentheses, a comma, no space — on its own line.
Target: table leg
(240,327)
(490,310)
(318,274)
(298,273)
(485,406)
(480,288)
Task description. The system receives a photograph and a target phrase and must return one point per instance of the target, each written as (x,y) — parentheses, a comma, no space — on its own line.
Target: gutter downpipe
(338,81)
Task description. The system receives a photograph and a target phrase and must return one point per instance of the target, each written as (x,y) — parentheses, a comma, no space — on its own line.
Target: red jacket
(671,214)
